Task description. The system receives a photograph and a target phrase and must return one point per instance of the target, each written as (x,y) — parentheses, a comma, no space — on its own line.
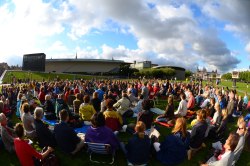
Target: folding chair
(100,148)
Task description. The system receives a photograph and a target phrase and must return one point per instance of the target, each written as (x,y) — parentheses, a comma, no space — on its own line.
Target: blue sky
(191,34)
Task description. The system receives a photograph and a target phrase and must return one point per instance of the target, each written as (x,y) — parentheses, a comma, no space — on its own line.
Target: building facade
(90,66)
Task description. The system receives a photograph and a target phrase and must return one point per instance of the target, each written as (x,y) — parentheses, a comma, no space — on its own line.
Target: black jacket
(44,135)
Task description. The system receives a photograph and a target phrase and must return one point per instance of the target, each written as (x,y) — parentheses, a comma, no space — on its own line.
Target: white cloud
(58,46)
(168,33)
(247,48)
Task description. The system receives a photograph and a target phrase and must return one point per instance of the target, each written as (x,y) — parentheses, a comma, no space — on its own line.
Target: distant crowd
(110,107)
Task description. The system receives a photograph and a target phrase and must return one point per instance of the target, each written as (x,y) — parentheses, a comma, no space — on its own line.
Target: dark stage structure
(34,62)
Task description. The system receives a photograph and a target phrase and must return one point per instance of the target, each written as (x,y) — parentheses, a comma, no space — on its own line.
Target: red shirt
(191,102)
(41,96)
(25,152)
(76,90)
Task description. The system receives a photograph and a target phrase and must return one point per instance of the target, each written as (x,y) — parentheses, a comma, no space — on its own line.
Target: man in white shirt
(182,109)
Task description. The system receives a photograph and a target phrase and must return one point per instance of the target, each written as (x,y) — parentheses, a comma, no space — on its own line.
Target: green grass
(39,76)
(82,157)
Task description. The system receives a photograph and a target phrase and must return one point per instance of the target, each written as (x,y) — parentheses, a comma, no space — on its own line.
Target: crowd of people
(109,107)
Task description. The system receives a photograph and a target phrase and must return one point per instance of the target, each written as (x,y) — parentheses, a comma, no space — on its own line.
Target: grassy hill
(39,76)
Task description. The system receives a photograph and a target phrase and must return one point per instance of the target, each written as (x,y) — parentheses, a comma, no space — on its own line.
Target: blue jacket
(172,151)
(138,150)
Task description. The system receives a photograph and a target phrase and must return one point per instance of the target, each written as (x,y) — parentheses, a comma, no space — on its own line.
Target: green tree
(227,76)
(188,73)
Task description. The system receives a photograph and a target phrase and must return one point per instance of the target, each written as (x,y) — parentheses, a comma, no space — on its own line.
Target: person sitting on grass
(138,148)
(76,103)
(182,108)
(28,121)
(44,135)
(113,119)
(191,101)
(198,133)
(96,102)
(146,116)
(245,100)
(226,156)
(138,106)
(242,133)
(99,133)
(25,152)
(169,111)
(173,150)
(218,130)
(7,134)
(86,110)
(123,107)
(66,137)
(49,108)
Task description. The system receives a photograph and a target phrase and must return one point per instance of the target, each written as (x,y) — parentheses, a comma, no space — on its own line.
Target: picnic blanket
(164,124)
(157,111)
(82,129)
(50,122)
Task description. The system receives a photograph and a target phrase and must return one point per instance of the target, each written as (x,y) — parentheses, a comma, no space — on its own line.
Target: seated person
(104,103)
(146,116)
(123,105)
(99,133)
(86,110)
(25,152)
(7,134)
(169,111)
(28,121)
(138,107)
(113,119)
(198,133)
(226,157)
(131,97)
(138,148)
(247,117)
(76,103)
(96,102)
(191,101)
(245,100)
(242,133)
(49,108)
(173,150)
(66,137)
(180,131)
(44,135)
(217,114)
(205,102)
(218,130)
(182,108)
(60,105)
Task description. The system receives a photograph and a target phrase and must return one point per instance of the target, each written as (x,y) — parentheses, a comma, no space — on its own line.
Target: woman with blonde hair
(173,150)
(138,148)
(180,131)
(219,130)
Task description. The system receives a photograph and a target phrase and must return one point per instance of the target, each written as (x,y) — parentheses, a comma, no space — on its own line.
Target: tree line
(244,76)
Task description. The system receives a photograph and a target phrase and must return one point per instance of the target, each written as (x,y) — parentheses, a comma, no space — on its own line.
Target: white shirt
(182,109)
